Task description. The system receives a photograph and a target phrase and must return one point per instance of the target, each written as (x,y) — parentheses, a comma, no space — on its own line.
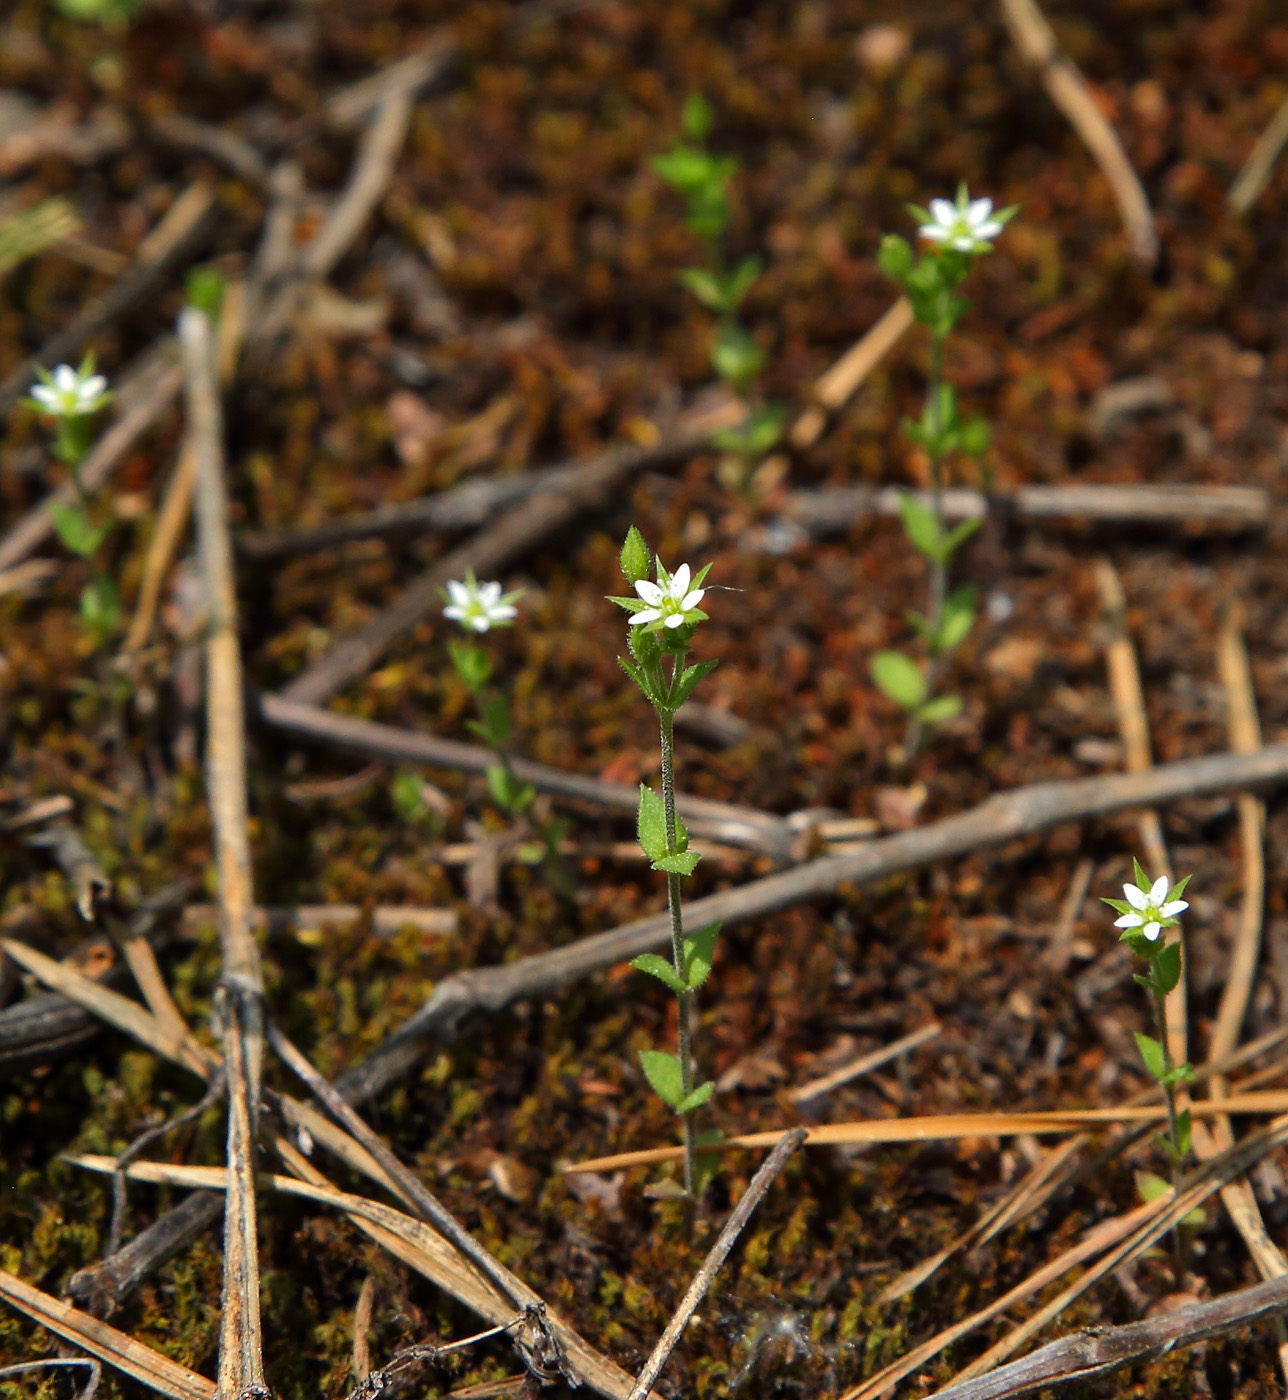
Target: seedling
(665,614)
(958,233)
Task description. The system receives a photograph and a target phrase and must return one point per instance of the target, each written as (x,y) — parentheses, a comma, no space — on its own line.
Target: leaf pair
(900,679)
(671,855)
(507,791)
(75,531)
(927,535)
(1155,1058)
(699,950)
(665,1075)
(721,292)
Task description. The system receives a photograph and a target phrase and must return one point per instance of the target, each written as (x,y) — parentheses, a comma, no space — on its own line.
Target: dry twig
(1254,176)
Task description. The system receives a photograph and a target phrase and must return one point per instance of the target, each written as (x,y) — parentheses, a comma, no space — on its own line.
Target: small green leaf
(699,951)
(682,687)
(1177,891)
(663,1072)
(920,525)
(696,117)
(1184,1133)
(1167,967)
(740,281)
(735,356)
(1152,1053)
(75,531)
(100,606)
(204,288)
(678,863)
(957,619)
(1143,882)
(894,257)
(959,534)
(473,664)
(702,1094)
(704,285)
(681,834)
(899,679)
(507,791)
(940,710)
(1150,1186)
(651,824)
(635,561)
(1120,905)
(975,436)
(658,967)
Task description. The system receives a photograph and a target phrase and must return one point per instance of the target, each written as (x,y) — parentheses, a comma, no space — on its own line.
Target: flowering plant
(664,615)
(958,232)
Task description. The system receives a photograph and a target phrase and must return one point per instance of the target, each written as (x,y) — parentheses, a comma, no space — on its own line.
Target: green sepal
(1143,882)
(1152,1053)
(663,1072)
(1120,905)
(699,952)
(658,967)
(1177,890)
(700,1095)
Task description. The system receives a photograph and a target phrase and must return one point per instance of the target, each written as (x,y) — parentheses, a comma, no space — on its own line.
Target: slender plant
(701,178)
(71,397)
(477,608)
(1146,911)
(958,233)
(664,617)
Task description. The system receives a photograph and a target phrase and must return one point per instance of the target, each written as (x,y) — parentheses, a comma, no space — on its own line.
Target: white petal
(457,592)
(489,593)
(1129,921)
(680,581)
(648,615)
(965,243)
(502,612)
(675,620)
(943,212)
(93,387)
(1151,931)
(692,598)
(1138,899)
(979,210)
(455,612)
(65,379)
(1158,891)
(1170,911)
(479,622)
(988,230)
(650,592)
(44,393)
(933,231)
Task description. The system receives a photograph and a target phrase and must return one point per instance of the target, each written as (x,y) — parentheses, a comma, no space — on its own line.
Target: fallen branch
(1022,812)
(719,821)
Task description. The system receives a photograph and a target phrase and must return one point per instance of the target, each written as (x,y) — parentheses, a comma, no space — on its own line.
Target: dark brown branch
(1022,812)
(1097,1351)
(720,821)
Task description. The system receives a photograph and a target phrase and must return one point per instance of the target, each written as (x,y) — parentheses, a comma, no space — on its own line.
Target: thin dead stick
(411,1187)
(147,396)
(1097,1351)
(864,1064)
(225,146)
(518,530)
(87,1392)
(712,1264)
(116,1348)
(832,510)
(162,547)
(722,821)
(240,999)
(1068,89)
(171,240)
(361,1326)
(1255,175)
(1022,812)
(411,75)
(386,919)
(833,389)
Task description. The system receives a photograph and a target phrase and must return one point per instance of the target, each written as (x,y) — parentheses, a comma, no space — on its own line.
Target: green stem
(685,998)
(1173,1125)
(938,567)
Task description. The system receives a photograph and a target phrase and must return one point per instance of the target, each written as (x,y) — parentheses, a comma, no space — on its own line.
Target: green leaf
(1152,1053)
(651,824)
(920,525)
(678,863)
(899,679)
(507,791)
(959,534)
(702,1094)
(663,1072)
(473,664)
(699,951)
(940,710)
(735,356)
(687,169)
(635,561)
(704,285)
(975,436)
(682,686)
(204,288)
(100,606)
(696,117)
(658,967)
(75,531)
(894,257)
(681,834)
(1167,967)
(1150,1186)
(957,619)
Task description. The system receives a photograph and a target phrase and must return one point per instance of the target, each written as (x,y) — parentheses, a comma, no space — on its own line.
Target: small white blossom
(1149,911)
(669,599)
(70,393)
(479,606)
(967,225)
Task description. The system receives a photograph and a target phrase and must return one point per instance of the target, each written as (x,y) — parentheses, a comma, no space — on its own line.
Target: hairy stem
(938,567)
(685,998)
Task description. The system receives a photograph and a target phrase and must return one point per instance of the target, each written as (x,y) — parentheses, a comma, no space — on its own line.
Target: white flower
(967,225)
(669,599)
(70,393)
(1149,912)
(479,606)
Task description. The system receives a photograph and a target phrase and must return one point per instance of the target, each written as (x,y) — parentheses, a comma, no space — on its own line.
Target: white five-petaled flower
(479,606)
(967,225)
(1149,910)
(669,599)
(70,393)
